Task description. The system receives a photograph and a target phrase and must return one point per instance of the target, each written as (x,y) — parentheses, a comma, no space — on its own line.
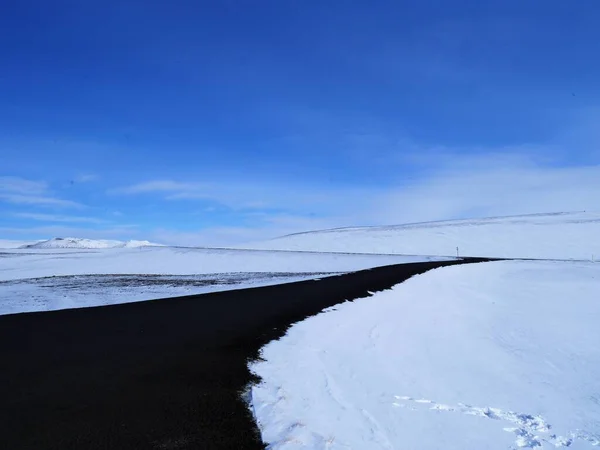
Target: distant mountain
(566,235)
(87,243)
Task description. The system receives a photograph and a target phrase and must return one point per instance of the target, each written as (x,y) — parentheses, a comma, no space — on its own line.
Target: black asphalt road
(162,374)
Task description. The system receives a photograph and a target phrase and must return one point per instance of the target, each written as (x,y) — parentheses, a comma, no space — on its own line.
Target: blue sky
(220,122)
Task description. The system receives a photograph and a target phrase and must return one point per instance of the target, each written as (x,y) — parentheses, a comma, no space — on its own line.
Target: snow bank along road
(500,356)
(156,374)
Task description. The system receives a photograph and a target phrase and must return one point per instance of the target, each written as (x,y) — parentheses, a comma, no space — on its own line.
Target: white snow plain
(32,279)
(544,236)
(496,355)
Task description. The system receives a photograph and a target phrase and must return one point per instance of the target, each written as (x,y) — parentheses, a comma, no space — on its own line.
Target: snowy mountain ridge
(535,218)
(82,243)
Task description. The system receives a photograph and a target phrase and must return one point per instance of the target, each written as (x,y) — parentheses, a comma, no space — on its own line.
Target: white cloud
(21,191)
(251,194)
(20,199)
(492,189)
(270,226)
(22,186)
(481,185)
(58,218)
(159,186)
(432,183)
(174,190)
(499,182)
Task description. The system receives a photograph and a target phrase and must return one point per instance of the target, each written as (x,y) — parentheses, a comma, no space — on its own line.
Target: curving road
(162,374)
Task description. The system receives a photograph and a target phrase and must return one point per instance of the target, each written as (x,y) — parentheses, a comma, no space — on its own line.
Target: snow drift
(550,236)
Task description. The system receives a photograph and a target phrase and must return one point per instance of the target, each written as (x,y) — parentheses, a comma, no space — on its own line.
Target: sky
(231,121)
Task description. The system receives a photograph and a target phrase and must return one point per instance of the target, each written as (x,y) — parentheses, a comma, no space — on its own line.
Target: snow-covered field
(495,355)
(20,264)
(78,291)
(33,279)
(546,236)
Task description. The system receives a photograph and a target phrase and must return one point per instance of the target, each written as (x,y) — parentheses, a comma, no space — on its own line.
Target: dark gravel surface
(76,282)
(155,374)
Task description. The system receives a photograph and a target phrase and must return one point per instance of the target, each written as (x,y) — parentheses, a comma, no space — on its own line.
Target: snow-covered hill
(86,243)
(12,244)
(557,235)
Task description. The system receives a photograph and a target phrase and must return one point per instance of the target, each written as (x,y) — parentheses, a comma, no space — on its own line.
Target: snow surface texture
(497,355)
(86,243)
(545,236)
(25,284)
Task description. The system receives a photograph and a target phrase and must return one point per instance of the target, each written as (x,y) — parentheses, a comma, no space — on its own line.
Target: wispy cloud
(249,194)
(21,191)
(57,218)
(20,199)
(401,181)
(177,190)
(22,186)
(491,186)
(460,184)
(159,186)
(265,227)
(86,178)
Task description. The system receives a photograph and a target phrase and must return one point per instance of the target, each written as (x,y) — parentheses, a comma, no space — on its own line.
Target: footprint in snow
(530,431)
